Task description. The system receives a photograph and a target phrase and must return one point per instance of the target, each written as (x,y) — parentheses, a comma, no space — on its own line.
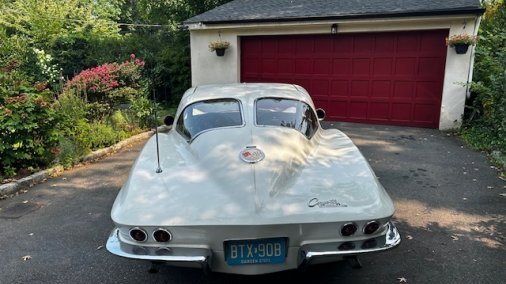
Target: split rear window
(286,113)
(205,115)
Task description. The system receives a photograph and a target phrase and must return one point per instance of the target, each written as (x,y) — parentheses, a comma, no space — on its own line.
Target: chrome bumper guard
(311,252)
(199,256)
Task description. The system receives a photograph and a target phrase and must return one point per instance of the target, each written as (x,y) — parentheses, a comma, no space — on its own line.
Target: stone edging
(15,186)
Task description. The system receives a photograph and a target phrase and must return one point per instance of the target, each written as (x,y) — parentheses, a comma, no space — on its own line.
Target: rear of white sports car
(253,249)
(251,184)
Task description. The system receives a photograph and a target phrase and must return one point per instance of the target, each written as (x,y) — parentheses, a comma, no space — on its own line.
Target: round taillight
(162,235)
(138,234)
(348,229)
(371,227)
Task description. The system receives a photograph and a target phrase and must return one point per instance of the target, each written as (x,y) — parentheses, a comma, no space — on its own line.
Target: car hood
(206,183)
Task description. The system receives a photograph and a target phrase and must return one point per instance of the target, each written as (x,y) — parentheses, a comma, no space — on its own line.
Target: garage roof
(248,11)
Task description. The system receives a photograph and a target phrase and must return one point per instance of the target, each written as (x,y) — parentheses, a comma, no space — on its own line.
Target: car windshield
(210,114)
(287,113)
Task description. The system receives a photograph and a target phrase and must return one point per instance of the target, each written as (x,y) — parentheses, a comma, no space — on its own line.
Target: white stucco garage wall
(207,68)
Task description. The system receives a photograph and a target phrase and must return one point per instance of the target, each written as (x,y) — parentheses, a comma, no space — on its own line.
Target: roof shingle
(293,10)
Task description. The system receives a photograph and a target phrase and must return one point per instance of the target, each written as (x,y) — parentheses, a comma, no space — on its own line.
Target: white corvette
(249,183)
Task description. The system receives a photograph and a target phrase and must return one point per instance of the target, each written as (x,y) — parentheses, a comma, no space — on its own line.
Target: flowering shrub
(461,39)
(101,106)
(49,71)
(28,124)
(108,85)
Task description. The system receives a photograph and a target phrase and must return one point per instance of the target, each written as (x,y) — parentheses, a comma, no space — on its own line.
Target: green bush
(80,136)
(94,136)
(28,124)
(488,118)
(485,124)
(141,109)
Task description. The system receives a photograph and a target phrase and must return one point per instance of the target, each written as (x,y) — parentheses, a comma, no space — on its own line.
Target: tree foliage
(485,126)
(76,49)
(42,22)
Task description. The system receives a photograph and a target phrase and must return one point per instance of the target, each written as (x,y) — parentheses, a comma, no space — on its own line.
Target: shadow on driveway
(449,212)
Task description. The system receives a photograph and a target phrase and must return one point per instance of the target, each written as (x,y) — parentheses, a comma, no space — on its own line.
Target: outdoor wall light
(333,29)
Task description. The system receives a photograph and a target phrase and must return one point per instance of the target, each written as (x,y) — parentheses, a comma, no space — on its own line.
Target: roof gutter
(476,11)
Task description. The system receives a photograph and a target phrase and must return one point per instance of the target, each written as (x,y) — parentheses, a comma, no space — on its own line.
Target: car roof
(245,92)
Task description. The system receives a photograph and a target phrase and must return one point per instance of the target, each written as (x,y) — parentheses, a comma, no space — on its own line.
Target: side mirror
(168,120)
(320,113)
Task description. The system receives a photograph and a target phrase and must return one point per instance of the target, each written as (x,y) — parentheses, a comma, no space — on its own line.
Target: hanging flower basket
(219,46)
(220,51)
(461,48)
(461,42)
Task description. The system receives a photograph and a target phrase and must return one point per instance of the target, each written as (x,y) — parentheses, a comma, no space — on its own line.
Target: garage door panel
(270,46)
(357,110)
(363,44)
(428,91)
(252,49)
(339,89)
(384,44)
(391,77)
(322,66)
(405,66)
(423,112)
(382,67)
(404,89)
(320,88)
(342,45)
(304,46)
(359,89)
(324,45)
(270,66)
(287,47)
(304,66)
(250,67)
(430,67)
(431,45)
(337,109)
(341,66)
(286,66)
(361,66)
(407,44)
(381,89)
(401,112)
(379,111)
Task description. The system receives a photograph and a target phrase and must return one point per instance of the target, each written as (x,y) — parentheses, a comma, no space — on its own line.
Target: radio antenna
(159,169)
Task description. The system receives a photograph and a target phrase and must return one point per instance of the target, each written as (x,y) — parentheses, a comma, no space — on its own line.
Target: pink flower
(132,56)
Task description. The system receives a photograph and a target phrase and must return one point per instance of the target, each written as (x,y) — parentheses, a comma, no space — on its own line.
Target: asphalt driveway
(449,211)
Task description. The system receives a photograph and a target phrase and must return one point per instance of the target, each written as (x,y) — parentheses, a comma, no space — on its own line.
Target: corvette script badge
(252,155)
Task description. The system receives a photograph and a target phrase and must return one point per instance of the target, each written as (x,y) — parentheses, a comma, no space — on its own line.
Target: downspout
(471,59)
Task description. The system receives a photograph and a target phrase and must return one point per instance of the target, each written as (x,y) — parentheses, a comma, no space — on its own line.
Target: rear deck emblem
(252,155)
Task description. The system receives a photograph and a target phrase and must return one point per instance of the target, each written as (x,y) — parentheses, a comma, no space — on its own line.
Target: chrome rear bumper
(184,256)
(313,252)
(308,254)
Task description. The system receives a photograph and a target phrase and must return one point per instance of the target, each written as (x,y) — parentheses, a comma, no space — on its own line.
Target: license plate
(259,251)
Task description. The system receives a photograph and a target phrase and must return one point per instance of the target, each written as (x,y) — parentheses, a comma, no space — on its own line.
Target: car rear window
(205,115)
(287,113)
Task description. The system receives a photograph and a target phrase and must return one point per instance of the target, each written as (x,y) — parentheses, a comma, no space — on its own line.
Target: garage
(368,61)
(393,78)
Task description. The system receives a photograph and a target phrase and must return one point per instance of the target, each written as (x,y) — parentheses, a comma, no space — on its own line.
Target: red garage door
(389,78)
